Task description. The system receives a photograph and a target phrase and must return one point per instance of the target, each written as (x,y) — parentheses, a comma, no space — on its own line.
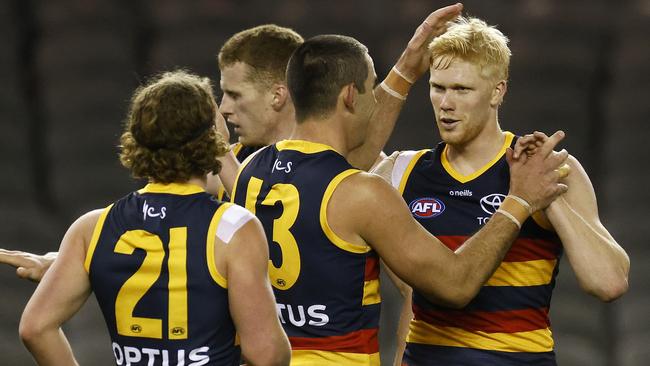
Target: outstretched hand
(414,61)
(28,265)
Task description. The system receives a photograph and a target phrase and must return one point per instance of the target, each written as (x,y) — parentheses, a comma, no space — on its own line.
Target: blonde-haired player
(467,177)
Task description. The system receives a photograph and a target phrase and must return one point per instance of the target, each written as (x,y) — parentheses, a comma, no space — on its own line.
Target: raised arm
(252,304)
(62,292)
(599,262)
(391,93)
(365,209)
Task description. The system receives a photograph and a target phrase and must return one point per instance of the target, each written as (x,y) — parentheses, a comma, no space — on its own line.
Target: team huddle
(269,252)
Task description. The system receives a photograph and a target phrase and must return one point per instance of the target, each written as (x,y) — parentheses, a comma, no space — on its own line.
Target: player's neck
(322,131)
(284,128)
(201,182)
(468,157)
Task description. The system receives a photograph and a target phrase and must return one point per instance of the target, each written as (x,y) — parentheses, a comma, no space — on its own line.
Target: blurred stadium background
(68,68)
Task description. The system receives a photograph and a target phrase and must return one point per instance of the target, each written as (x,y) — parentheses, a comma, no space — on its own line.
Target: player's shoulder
(84,226)
(235,215)
(362,186)
(91,218)
(574,162)
(404,160)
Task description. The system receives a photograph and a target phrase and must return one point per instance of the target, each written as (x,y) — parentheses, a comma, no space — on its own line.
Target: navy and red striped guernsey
(326,289)
(507,323)
(151,264)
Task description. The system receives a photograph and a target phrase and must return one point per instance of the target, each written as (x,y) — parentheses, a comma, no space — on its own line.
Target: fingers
(29,274)
(23,273)
(13,258)
(541,136)
(393,156)
(550,144)
(524,143)
(563,171)
(557,159)
(443,15)
(530,143)
(436,23)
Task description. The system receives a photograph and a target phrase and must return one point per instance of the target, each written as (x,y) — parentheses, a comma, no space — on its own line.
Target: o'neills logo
(426,208)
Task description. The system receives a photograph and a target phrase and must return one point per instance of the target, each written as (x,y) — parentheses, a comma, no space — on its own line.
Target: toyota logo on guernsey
(426,208)
(492,202)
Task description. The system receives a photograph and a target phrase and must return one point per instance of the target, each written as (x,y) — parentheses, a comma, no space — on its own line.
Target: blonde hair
(472,40)
(169,134)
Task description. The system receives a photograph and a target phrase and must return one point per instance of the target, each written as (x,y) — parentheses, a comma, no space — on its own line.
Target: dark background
(68,68)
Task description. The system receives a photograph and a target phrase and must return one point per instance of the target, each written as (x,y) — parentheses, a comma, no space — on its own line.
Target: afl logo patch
(426,208)
(491,203)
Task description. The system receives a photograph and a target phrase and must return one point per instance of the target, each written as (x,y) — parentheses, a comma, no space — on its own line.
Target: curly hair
(169,133)
(471,39)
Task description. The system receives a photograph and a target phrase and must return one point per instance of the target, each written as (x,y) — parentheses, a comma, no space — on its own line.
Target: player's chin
(248,141)
(451,137)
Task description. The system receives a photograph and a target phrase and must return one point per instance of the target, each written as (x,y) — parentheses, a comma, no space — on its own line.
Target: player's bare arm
(61,293)
(365,209)
(391,93)
(252,304)
(599,262)
(601,265)
(405,314)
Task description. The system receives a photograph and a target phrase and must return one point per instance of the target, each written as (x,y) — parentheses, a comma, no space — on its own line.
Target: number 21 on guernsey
(143,279)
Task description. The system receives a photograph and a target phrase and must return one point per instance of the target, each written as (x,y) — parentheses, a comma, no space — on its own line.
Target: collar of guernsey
(306,147)
(182,189)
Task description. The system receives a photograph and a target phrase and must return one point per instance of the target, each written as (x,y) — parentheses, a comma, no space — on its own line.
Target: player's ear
(348,96)
(280,96)
(498,93)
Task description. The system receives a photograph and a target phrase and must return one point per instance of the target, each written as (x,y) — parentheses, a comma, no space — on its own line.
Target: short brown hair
(265,48)
(169,134)
(319,68)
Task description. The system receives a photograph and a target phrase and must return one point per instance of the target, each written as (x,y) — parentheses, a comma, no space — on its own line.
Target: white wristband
(402,75)
(522,202)
(392,92)
(510,216)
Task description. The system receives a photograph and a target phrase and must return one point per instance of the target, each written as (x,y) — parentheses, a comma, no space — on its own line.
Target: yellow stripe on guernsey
(93,241)
(181,189)
(331,235)
(211,240)
(532,341)
(409,169)
(529,273)
(309,358)
(466,178)
(236,148)
(371,294)
(241,168)
(305,147)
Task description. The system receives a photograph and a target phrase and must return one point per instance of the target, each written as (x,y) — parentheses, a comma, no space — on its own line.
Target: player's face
(246,107)
(463,101)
